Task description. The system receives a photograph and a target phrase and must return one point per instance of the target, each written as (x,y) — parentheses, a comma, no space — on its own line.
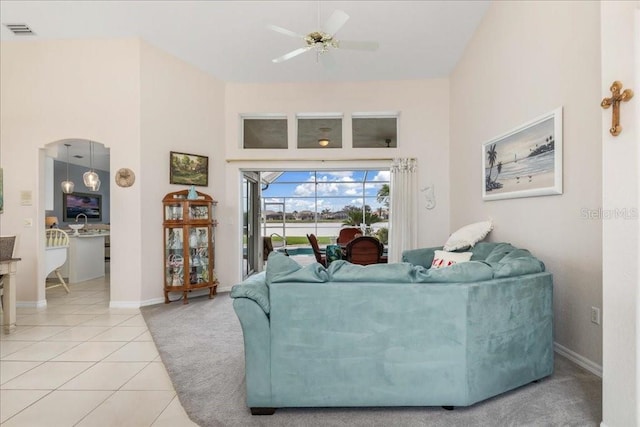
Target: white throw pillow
(445,259)
(468,235)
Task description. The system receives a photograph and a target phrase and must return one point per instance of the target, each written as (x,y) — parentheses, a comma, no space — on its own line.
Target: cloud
(382,176)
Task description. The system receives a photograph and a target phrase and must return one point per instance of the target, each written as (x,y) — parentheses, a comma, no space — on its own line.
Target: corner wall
(182,109)
(136,100)
(526,59)
(53,90)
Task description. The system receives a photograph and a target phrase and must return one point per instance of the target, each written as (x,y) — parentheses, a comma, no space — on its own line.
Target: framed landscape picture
(525,162)
(188,169)
(74,204)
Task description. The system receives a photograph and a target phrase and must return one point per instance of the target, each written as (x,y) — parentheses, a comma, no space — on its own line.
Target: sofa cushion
(517,267)
(255,288)
(343,271)
(281,268)
(468,235)
(421,256)
(463,272)
(443,259)
(499,252)
(509,261)
(278,264)
(481,250)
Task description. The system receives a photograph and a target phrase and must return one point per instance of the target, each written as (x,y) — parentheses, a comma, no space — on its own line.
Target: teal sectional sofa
(398,334)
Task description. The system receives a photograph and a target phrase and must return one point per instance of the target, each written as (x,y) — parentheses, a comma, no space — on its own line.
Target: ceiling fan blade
(284,31)
(291,54)
(337,19)
(357,45)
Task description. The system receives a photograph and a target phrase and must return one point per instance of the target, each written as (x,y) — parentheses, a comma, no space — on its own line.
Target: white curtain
(403,190)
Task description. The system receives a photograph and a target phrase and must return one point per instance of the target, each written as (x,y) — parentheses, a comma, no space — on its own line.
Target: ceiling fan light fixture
(321,41)
(323,142)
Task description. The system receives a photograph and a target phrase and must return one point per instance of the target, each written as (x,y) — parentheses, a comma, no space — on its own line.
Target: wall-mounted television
(74,204)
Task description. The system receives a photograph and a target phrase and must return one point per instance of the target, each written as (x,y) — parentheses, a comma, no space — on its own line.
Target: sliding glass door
(251,240)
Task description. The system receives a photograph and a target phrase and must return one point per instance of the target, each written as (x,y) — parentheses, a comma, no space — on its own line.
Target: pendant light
(67,186)
(90,178)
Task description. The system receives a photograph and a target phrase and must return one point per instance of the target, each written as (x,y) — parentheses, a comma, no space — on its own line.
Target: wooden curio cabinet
(189,244)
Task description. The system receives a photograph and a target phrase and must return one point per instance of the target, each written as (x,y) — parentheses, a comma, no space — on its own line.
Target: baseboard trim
(135,304)
(579,360)
(152,301)
(32,304)
(124,304)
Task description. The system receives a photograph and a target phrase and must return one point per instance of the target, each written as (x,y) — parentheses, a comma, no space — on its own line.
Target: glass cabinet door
(199,212)
(174,261)
(173,212)
(199,246)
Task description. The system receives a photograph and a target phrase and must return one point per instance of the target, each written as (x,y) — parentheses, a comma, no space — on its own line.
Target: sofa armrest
(257,351)
(254,288)
(421,256)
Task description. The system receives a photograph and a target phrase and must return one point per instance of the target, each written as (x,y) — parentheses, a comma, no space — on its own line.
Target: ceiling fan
(323,39)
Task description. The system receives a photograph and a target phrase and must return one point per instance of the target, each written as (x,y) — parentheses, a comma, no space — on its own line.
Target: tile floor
(78,362)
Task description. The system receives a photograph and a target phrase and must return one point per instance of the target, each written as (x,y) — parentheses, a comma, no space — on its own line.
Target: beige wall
(620,162)
(526,59)
(182,109)
(139,102)
(423,133)
(68,89)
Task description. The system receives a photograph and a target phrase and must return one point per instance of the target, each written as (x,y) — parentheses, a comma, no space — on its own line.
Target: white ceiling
(229,39)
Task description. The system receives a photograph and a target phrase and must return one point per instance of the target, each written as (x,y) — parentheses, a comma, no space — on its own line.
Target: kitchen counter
(86,256)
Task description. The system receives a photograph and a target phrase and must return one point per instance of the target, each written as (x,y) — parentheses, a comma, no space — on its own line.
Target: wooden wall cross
(615,99)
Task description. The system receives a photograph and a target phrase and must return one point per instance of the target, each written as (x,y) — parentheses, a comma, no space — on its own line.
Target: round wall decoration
(125,177)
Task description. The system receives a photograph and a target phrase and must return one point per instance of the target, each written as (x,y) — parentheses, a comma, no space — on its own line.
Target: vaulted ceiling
(230,39)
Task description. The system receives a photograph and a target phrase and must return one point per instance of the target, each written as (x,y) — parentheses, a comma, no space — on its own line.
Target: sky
(335,189)
(520,143)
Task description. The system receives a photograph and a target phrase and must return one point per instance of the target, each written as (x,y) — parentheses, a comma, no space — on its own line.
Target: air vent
(20,29)
(78,156)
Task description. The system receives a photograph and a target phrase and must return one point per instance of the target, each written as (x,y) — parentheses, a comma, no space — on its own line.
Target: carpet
(202,348)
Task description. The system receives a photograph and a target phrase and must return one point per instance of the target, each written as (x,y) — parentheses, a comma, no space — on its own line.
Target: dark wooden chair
(347,234)
(364,250)
(267,247)
(320,257)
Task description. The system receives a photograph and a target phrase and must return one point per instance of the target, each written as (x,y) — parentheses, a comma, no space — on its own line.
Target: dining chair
(267,247)
(56,248)
(322,259)
(364,250)
(347,234)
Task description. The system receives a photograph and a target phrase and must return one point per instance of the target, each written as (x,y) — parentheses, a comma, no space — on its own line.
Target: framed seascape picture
(188,169)
(525,162)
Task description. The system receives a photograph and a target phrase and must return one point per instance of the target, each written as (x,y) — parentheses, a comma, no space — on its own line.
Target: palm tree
(492,154)
(383,195)
(354,216)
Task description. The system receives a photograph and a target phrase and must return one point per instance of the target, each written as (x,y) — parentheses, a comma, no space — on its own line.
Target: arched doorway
(68,200)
